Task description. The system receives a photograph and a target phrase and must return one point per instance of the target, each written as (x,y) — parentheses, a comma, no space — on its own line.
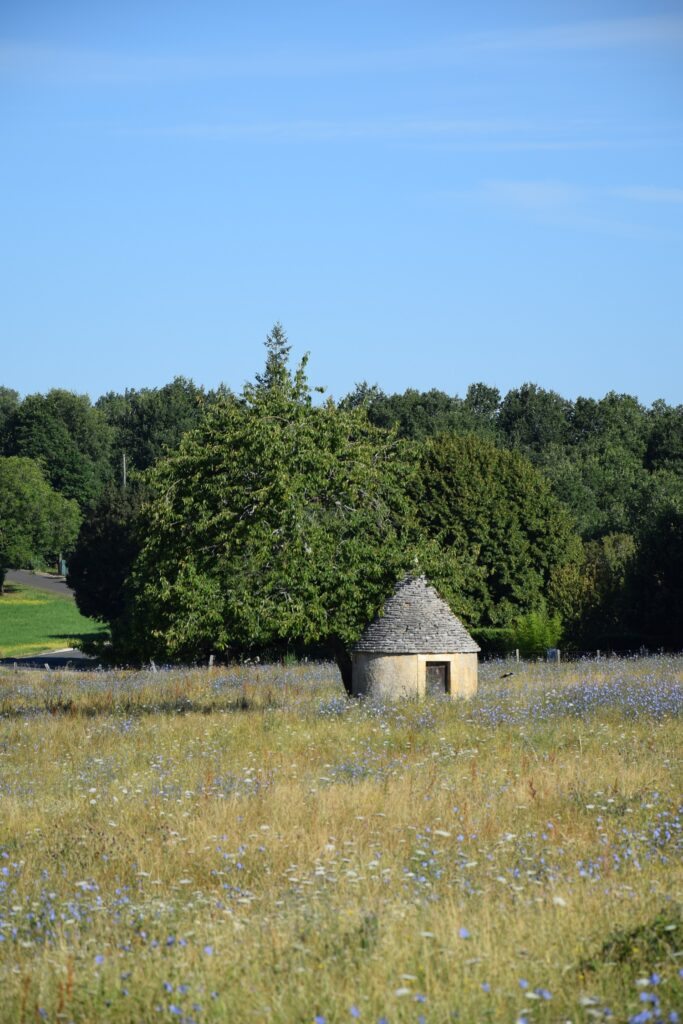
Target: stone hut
(415,647)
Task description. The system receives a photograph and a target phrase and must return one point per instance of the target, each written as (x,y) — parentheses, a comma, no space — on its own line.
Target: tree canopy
(36,523)
(68,437)
(277,522)
(476,497)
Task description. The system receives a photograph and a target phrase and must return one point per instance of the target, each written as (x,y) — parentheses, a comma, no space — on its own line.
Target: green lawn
(32,621)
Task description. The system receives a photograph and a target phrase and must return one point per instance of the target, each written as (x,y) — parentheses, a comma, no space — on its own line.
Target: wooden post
(211,661)
(517,654)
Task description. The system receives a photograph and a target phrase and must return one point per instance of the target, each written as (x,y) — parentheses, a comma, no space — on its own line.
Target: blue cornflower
(523,983)
(175,1010)
(543,993)
(463,933)
(168,987)
(99,959)
(319,1019)
(208,950)
(485,987)
(354,1011)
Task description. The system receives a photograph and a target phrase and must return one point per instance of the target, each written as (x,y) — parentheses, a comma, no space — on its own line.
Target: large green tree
(70,439)
(108,543)
(149,422)
(475,497)
(9,401)
(36,523)
(530,418)
(277,522)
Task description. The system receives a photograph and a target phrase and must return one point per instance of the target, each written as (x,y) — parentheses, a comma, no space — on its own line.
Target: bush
(535,632)
(495,640)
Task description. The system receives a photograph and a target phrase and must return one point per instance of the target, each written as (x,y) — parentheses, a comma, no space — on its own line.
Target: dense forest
(198,522)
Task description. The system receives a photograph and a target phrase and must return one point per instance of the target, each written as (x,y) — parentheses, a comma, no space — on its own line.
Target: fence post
(517,654)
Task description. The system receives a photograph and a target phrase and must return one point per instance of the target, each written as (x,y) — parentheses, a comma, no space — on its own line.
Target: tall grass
(246,845)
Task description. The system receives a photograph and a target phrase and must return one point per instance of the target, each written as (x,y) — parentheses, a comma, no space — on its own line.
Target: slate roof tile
(415,620)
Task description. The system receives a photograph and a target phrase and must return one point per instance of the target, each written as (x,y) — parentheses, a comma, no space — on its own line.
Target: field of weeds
(247,845)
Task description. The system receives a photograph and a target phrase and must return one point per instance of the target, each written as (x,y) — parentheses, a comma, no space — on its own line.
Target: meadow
(32,621)
(245,844)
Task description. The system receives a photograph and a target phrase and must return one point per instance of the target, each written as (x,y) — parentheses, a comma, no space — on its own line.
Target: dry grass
(244,845)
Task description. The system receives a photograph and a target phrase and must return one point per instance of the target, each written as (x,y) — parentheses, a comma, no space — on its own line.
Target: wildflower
(485,987)
(641,1018)
(208,950)
(523,983)
(175,1010)
(168,987)
(543,993)
(319,1019)
(354,1011)
(99,959)
(463,933)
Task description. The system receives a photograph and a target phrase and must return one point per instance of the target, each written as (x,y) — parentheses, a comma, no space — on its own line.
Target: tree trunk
(344,664)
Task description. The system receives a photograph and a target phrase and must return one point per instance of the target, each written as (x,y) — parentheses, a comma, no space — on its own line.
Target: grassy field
(247,845)
(32,621)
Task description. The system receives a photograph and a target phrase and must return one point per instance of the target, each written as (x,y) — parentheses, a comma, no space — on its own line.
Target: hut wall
(385,675)
(392,676)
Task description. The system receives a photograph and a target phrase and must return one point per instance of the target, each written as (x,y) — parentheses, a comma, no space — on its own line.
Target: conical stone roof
(415,620)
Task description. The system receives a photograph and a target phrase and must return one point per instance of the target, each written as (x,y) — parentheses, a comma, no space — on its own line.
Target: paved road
(70,658)
(51,584)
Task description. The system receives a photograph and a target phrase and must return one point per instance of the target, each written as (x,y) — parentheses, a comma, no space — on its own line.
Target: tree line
(199,522)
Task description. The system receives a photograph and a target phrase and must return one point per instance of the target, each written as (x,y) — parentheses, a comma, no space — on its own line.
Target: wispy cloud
(651,30)
(650,194)
(71,65)
(565,205)
(561,196)
(531,195)
(306,130)
(455,134)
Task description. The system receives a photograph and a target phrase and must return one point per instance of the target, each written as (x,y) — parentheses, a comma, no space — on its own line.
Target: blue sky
(425,195)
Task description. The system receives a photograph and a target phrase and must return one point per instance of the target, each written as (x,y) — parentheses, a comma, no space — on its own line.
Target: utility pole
(124,470)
